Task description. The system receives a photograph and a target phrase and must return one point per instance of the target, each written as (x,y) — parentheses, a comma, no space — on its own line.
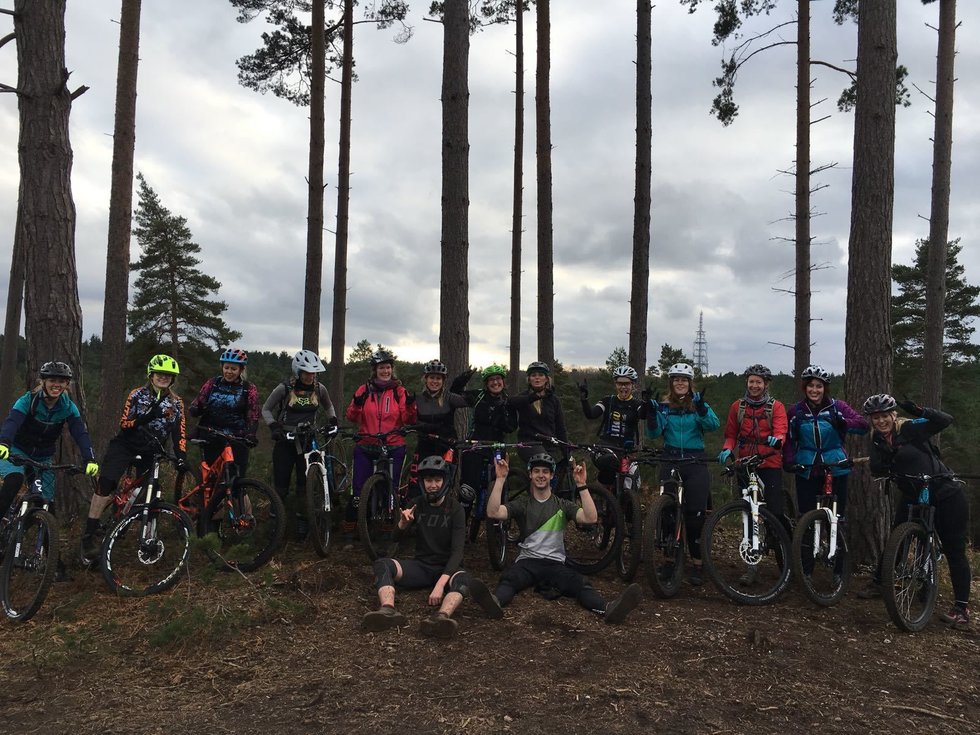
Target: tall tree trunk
(802,291)
(942,148)
(11,331)
(546,260)
(517,223)
(120,221)
(867,343)
(314,220)
(639,297)
(339,334)
(46,210)
(454,330)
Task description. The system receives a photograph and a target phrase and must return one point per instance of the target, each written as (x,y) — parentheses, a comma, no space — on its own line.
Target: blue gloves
(724,456)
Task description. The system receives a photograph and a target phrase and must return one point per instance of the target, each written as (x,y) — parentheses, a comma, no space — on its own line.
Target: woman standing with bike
(152,414)
(817,427)
(682,418)
(901,447)
(435,411)
(539,412)
(289,405)
(757,424)
(621,414)
(228,404)
(380,405)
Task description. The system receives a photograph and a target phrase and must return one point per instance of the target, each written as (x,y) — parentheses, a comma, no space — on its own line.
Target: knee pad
(460,582)
(384,573)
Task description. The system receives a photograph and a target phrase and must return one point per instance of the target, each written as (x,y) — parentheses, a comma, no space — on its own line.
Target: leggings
(697,491)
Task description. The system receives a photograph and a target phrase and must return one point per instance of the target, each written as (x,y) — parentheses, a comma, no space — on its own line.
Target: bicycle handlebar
(21,460)
(230,438)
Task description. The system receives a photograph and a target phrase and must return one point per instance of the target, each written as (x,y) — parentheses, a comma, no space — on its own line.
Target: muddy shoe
(870,591)
(748,579)
(957,617)
(694,577)
(382,619)
(622,606)
(483,597)
(90,548)
(438,626)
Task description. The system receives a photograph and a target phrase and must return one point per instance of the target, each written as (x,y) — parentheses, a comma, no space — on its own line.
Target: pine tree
(170,301)
(962,306)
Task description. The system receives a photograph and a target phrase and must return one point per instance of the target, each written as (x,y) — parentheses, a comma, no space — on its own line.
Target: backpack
(742,406)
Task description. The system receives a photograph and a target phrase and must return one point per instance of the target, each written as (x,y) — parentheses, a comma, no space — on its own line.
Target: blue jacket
(816,436)
(682,429)
(34,429)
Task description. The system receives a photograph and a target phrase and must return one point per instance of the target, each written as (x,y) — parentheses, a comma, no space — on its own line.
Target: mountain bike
(29,544)
(148,541)
(379,503)
(821,561)
(665,531)
(246,515)
(910,561)
(589,547)
(745,547)
(326,479)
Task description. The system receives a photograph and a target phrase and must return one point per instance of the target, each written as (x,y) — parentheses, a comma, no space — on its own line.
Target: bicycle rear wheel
(377,517)
(631,548)
(663,545)
(29,564)
(147,550)
(747,568)
(823,578)
(319,509)
(908,577)
(590,548)
(250,523)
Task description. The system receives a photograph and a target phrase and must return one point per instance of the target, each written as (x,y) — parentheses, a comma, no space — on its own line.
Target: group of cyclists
(806,440)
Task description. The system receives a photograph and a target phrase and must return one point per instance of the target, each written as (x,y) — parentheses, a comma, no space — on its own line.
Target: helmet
(542,459)
(879,403)
(761,370)
(55,369)
(817,372)
(680,370)
(307,362)
(491,370)
(234,355)
(467,493)
(625,371)
(434,466)
(538,367)
(162,364)
(380,357)
(435,367)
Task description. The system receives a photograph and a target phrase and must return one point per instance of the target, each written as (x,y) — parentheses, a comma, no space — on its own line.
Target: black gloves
(583,390)
(647,393)
(277,433)
(409,398)
(910,407)
(360,398)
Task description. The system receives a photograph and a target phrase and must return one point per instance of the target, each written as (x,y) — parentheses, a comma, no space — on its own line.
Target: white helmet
(680,370)
(307,362)
(625,371)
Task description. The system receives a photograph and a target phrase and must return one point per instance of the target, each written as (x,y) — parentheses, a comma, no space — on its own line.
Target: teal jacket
(682,429)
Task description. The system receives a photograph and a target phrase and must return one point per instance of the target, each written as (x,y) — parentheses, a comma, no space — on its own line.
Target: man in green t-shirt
(541,517)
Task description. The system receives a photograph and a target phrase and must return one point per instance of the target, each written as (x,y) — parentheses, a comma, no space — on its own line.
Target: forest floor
(281,652)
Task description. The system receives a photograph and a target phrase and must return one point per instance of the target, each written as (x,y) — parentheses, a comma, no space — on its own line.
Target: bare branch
(822,168)
(820,119)
(928,97)
(851,74)
(745,59)
(79,92)
(780,344)
(7,88)
(4,11)
(7,39)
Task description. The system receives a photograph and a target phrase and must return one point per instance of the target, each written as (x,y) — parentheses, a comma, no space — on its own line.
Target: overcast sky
(234,163)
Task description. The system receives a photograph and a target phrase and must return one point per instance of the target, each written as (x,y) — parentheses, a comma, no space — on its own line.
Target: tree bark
(546,273)
(942,148)
(9,384)
(801,352)
(339,334)
(120,222)
(517,223)
(314,220)
(639,298)
(868,349)
(454,332)
(46,210)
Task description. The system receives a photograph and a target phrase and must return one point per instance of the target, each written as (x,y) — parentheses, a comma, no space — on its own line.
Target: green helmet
(491,370)
(162,364)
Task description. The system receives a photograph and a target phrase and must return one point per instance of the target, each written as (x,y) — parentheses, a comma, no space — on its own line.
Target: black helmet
(434,466)
(538,367)
(815,372)
(380,357)
(542,459)
(435,367)
(55,369)
(761,370)
(879,403)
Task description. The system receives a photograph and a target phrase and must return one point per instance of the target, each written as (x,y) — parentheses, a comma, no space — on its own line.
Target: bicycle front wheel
(377,517)
(249,521)
(147,550)
(750,565)
(631,548)
(590,548)
(908,577)
(663,546)
(823,576)
(29,564)
(319,509)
